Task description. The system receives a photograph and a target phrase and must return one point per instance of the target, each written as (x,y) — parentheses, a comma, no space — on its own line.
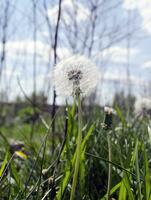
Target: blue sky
(111,25)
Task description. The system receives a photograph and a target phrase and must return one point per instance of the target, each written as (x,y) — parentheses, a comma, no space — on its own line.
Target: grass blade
(147,177)
(4,164)
(138,172)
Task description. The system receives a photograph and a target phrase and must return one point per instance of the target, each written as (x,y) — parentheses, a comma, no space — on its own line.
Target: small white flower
(142,105)
(75,74)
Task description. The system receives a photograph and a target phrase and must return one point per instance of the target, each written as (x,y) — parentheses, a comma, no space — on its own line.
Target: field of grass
(31,169)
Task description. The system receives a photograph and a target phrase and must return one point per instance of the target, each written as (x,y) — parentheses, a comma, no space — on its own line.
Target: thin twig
(55,61)
(24,93)
(44,122)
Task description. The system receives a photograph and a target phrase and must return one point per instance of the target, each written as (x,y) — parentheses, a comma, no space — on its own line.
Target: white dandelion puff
(76,74)
(142,105)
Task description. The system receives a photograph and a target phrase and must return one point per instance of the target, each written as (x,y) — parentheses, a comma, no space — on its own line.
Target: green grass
(23,178)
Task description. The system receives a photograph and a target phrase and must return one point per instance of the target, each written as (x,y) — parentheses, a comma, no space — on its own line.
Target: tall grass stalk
(110,166)
(78,150)
(138,172)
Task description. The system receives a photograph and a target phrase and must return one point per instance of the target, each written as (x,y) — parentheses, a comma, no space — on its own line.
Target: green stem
(138,173)
(110,167)
(78,150)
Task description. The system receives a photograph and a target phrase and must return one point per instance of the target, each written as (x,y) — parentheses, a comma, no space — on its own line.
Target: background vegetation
(32,169)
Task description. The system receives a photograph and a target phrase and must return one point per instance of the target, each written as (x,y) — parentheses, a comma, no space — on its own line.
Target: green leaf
(64,184)
(4,164)
(127,184)
(112,190)
(147,177)
(138,171)
(122,192)
(16,176)
(125,189)
(82,157)
(121,117)
(86,138)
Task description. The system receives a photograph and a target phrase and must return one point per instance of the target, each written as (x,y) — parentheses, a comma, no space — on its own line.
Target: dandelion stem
(78,150)
(110,167)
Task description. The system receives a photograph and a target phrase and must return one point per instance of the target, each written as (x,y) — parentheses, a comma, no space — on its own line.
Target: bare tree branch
(55,61)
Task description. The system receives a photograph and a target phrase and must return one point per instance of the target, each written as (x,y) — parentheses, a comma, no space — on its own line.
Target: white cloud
(9,72)
(147,65)
(19,58)
(26,48)
(22,49)
(116,54)
(69,7)
(144,8)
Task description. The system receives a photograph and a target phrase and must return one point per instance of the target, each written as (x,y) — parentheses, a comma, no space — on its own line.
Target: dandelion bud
(44,172)
(107,124)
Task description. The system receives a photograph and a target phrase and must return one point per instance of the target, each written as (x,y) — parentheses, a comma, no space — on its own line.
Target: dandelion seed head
(76,73)
(142,105)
